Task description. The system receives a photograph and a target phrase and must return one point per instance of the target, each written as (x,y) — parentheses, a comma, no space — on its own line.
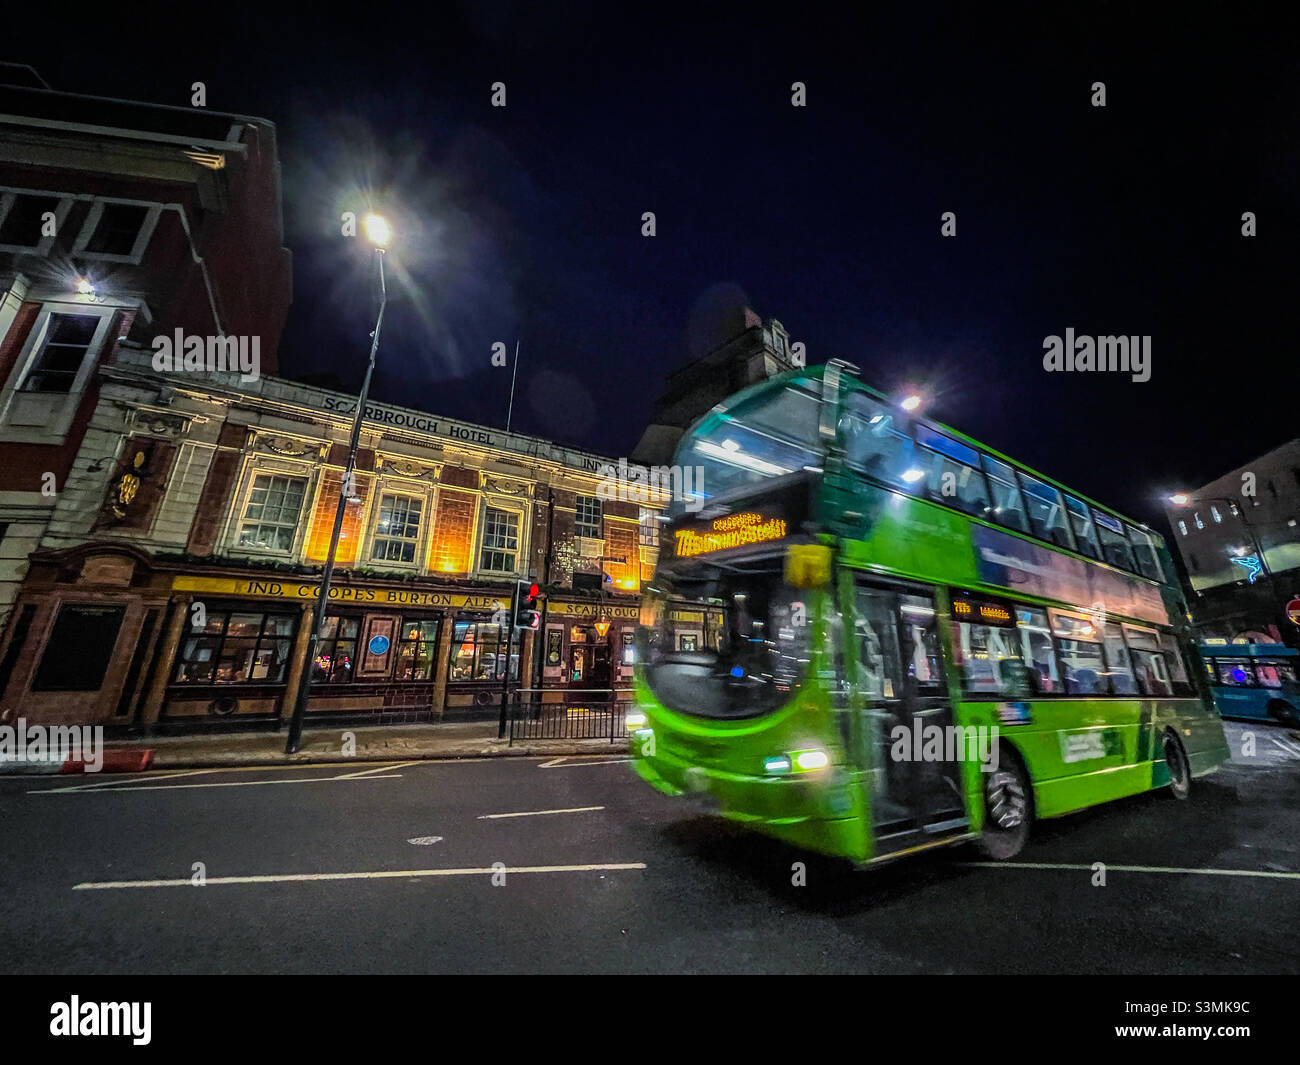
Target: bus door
(915,796)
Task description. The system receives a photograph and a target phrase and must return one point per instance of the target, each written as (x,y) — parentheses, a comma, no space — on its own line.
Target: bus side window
(1174,660)
(1036,644)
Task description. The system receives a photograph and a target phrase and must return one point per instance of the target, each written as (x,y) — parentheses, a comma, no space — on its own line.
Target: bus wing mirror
(808,565)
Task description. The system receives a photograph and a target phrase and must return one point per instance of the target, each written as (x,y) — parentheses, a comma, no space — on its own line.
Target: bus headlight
(796,762)
(806,761)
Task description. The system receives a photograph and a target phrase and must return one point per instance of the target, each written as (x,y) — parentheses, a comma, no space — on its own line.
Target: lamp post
(380,234)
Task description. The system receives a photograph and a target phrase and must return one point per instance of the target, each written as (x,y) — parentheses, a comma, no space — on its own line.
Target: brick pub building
(164,532)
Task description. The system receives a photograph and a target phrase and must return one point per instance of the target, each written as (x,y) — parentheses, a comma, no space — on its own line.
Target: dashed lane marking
(381,874)
(564,763)
(538,813)
(1266,874)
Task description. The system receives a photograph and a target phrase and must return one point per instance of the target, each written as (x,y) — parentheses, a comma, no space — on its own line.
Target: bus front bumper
(819,811)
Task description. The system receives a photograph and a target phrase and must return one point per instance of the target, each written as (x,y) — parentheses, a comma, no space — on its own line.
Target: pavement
(459,740)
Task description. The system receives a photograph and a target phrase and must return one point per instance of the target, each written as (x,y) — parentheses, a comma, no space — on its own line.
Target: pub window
(68,340)
(478,652)
(649,534)
(271,516)
(79,649)
(629,647)
(116,231)
(397,533)
(336,652)
(588,518)
(22,221)
(500,541)
(237,647)
(417,649)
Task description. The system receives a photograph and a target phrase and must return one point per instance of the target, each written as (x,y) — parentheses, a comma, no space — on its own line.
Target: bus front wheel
(1008,808)
(1180,770)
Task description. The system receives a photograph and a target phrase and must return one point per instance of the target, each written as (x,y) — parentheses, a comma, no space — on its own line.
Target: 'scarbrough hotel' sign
(174,585)
(460,431)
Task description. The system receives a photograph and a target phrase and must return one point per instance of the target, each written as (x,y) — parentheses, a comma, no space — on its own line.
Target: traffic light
(528,595)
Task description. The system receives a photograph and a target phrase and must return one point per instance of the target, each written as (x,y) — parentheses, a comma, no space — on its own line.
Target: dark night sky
(524,222)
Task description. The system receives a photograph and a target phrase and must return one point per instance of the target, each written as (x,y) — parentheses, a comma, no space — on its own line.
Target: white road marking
(383,874)
(538,813)
(120,783)
(1291,749)
(223,784)
(377,769)
(425,841)
(1134,869)
(563,763)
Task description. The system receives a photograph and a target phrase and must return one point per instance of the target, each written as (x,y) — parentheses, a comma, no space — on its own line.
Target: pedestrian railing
(570,714)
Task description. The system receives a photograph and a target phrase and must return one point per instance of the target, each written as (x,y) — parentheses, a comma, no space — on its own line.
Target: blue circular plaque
(378,645)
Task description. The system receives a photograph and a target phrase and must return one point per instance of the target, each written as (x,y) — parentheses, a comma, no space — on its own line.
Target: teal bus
(1253,681)
(868,634)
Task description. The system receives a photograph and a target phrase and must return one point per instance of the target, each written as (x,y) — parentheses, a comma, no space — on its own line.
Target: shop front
(387,653)
(588,651)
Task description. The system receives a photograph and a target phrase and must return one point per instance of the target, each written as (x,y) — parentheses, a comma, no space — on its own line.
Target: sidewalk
(374,743)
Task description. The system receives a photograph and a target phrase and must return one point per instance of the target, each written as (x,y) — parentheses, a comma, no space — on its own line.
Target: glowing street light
(911,402)
(85,286)
(1179,499)
(378,231)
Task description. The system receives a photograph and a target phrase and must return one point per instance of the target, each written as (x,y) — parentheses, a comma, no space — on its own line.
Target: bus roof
(1247,650)
(815,373)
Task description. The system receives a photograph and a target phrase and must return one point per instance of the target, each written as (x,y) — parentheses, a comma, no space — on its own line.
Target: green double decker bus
(868,634)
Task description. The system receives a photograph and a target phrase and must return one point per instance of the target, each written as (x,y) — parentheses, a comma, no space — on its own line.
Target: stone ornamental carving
(290,448)
(506,487)
(407,468)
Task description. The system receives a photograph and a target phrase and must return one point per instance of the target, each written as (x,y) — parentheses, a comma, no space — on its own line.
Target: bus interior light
(635,719)
(913,475)
(778,766)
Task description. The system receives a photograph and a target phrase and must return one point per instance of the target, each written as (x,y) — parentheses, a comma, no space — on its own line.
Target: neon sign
(1250,564)
(735,530)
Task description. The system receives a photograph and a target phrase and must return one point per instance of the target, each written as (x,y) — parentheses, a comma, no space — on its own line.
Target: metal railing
(570,714)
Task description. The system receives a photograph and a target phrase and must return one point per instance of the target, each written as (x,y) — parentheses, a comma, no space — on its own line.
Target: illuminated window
(1214,513)
(478,652)
(649,536)
(237,647)
(1182,528)
(417,649)
(336,652)
(271,516)
(500,541)
(397,533)
(588,518)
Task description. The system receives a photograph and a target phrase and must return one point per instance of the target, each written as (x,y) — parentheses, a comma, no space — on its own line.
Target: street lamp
(911,403)
(380,234)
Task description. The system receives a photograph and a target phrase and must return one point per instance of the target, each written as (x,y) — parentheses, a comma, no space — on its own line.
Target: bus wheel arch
(1176,761)
(1008,795)
(1283,712)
